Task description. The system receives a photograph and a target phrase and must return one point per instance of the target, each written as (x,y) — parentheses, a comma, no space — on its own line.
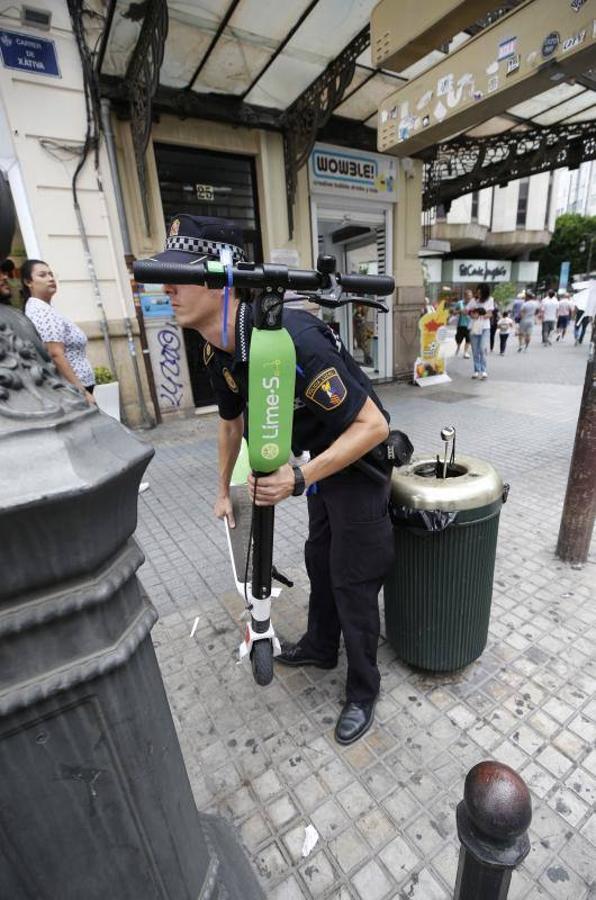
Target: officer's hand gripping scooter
(271,382)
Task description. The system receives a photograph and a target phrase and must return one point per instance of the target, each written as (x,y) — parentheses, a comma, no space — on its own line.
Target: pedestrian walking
(462,330)
(479,339)
(549,311)
(516,308)
(528,313)
(563,316)
(493,322)
(339,419)
(506,327)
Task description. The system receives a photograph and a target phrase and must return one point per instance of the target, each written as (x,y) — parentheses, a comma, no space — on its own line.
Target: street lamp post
(95,801)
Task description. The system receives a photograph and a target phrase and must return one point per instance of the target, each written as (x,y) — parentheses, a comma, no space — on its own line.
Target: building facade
(197,166)
(491,234)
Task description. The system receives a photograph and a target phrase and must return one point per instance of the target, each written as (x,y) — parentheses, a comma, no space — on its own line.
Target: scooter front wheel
(261,659)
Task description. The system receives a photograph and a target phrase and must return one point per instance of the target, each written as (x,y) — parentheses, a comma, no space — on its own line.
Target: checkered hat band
(202,247)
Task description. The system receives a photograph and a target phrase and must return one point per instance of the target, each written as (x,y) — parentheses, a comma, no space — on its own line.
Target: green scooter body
(271,381)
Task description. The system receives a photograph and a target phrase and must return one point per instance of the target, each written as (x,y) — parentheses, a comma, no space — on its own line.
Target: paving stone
(318,874)
(336,775)
(538,779)
(310,792)
(399,858)
(445,863)
(563,882)
(583,784)
(423,886)
(371,882)
(554,761)
(254,831)
(266,758)
(578,854)
(270,863)
(589,829)
(281,812)
(356,800)
(349,850)
(267,785)
(376,827)
(329,819)
(287,890)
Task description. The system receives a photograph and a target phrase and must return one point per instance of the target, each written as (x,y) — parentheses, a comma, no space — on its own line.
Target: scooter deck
(238,537)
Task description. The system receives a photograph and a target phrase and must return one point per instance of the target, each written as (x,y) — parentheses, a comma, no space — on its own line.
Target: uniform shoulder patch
(207,353)
(230,381)
(327,390)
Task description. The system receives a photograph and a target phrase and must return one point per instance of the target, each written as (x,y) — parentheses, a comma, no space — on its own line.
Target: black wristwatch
(299,484)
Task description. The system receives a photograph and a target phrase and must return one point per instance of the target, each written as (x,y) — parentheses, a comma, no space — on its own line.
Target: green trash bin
(438,593)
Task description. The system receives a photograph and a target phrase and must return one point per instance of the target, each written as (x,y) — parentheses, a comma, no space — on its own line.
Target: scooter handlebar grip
(149,271)
(377,285)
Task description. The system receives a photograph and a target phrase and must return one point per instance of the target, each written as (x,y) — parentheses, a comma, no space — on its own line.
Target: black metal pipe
(279,48)
(492,823)
(262,556)
(220,30)
(95,800)
(105,37)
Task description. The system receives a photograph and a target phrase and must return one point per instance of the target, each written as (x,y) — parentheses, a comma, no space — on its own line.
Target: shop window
(218,185)
(208,183)
(475,206)
(522,203)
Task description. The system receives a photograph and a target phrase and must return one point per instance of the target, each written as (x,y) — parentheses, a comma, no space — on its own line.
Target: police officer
(339,419)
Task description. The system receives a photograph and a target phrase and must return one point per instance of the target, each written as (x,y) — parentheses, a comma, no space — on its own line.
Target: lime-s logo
(269,451)
(270,428)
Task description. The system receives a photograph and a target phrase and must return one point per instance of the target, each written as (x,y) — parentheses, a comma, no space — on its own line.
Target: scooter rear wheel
(261,658)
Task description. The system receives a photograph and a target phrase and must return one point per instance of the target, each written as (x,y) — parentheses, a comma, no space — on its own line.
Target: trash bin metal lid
(476,484)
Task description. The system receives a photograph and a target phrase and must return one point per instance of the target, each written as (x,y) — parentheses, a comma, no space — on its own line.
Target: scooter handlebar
(378,285)
(257,277)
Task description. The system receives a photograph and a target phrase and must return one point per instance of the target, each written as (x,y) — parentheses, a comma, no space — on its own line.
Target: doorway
(218,185)
(359,240)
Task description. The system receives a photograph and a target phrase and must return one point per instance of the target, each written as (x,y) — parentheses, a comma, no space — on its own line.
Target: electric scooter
(271,383)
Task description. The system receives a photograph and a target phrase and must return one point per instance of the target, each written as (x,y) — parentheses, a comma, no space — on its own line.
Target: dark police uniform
(349,547)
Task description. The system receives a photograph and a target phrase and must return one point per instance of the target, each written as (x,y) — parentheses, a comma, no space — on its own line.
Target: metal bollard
(95,801)
(492,823)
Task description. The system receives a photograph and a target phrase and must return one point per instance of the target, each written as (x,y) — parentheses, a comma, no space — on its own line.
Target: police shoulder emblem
(327,390)
(174,228)
(207,353)
(230,381)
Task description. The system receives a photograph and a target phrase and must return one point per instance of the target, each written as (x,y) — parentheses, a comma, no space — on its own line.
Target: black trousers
(348,554)
(503,341)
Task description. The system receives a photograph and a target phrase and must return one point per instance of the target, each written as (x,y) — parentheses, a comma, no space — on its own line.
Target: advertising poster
(429,367)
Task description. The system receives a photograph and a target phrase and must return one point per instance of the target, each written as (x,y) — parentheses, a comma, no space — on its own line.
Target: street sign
(403,32)
(29,54)
(205,192)
(564,275)
(537,45)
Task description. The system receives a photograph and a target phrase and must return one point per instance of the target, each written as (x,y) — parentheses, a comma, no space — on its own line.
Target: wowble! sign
(335,170)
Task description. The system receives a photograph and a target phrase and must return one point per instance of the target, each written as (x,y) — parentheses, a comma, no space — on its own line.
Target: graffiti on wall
(170,387)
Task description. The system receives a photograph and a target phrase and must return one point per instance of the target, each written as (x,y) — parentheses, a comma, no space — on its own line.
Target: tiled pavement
(265,758)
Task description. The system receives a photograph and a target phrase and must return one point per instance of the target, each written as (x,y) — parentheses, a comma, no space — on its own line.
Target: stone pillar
(95,801)
(409,296)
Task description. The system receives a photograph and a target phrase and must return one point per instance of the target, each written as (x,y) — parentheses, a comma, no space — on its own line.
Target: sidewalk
(384,808)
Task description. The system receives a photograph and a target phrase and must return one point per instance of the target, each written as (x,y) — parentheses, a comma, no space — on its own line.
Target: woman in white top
(65,341)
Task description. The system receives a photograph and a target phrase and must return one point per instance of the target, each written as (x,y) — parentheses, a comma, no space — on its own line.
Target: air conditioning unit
(36,18)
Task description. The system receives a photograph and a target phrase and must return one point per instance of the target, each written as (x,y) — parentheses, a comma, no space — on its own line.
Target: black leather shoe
(354,720)
(295,655)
